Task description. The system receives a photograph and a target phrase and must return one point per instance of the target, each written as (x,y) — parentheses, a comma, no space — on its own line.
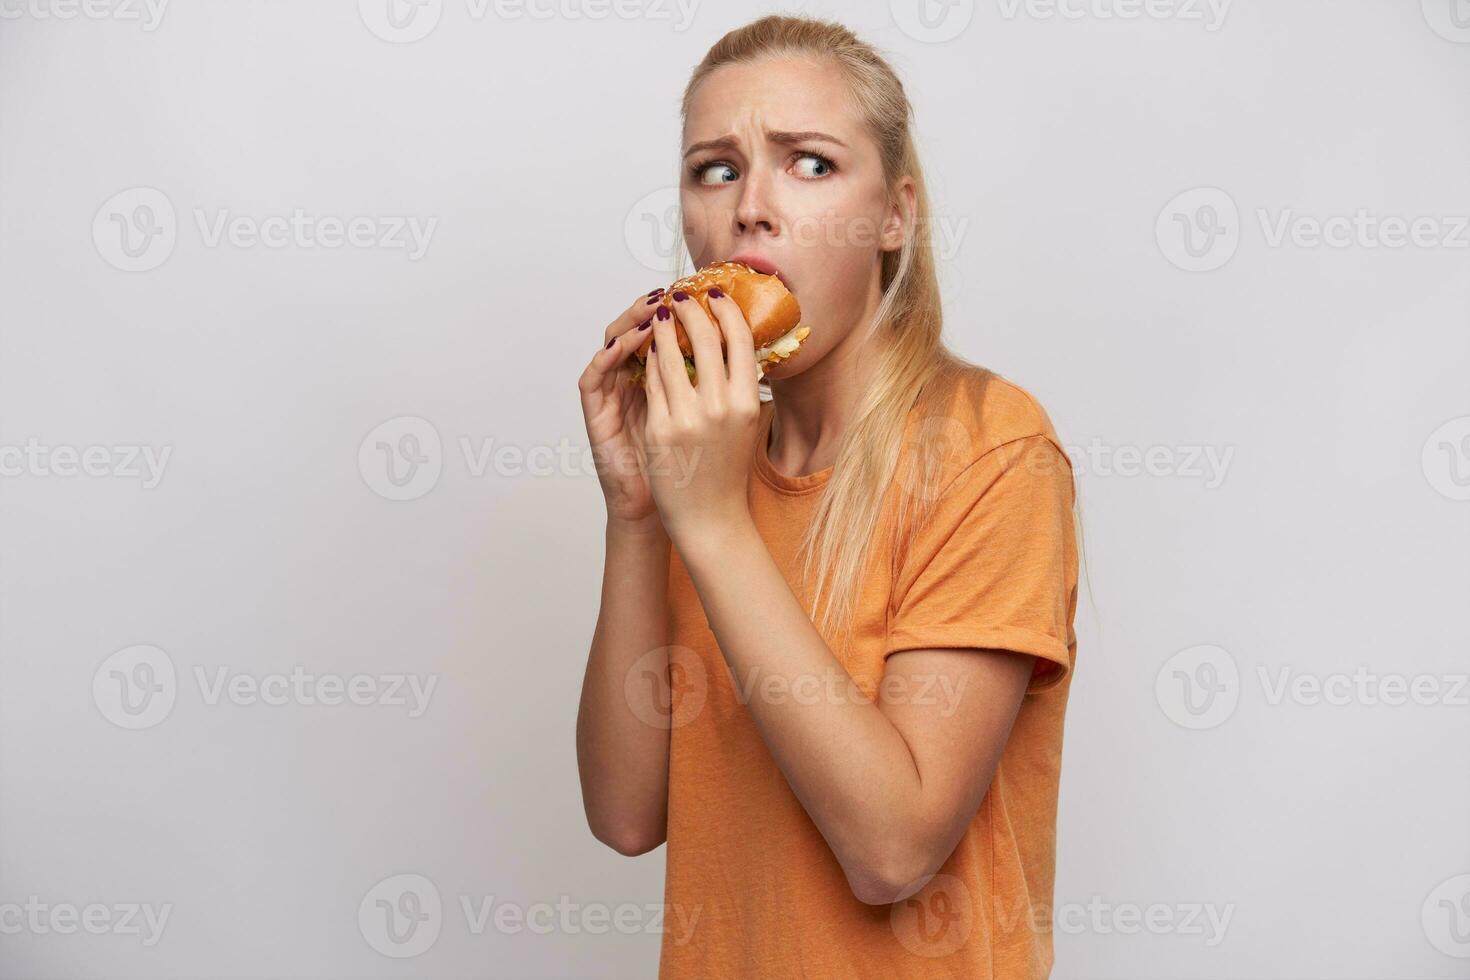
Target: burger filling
(773,353)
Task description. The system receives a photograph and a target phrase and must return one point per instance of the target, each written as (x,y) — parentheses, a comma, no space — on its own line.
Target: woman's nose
(753,210)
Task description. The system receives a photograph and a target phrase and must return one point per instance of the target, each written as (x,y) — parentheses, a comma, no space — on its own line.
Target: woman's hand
(615,414)
(699,440)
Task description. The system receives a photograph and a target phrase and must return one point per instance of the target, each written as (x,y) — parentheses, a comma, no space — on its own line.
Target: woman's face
(778,165)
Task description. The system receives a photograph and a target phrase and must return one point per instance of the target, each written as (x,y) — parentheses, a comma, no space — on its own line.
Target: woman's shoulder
(981,410)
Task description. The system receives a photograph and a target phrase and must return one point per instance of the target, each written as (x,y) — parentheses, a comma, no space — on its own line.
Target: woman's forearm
(623,760)
(843,758)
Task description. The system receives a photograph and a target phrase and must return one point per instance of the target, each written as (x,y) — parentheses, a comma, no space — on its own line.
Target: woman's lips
(764,266)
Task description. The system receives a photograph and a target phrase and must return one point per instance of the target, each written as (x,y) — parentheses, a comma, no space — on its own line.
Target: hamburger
(769,307)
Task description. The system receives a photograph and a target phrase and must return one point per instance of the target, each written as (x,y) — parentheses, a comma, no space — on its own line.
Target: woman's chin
(783,369)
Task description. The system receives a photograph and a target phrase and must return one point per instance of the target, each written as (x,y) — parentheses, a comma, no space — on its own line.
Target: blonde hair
(911,359)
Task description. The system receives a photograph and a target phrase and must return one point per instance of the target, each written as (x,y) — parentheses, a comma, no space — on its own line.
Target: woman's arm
(623,761)
(891,784)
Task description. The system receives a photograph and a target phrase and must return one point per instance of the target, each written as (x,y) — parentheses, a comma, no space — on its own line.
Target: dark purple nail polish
(653,347)
(610,342)
(680,296)
(715,292)
(663,313)
(657,291)
(652,300)
(646,324)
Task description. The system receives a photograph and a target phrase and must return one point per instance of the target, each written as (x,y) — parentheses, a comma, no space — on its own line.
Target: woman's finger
(739,342)
(705,338)
(640,309)
(653,384)
(619,340)
(678,392)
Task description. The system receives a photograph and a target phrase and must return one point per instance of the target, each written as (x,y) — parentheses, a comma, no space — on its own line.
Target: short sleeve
(994,565)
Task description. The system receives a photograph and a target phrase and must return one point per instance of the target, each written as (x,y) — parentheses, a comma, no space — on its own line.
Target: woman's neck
(811,410)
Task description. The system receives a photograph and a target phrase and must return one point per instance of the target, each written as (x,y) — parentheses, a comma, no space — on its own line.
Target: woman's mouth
(764,266)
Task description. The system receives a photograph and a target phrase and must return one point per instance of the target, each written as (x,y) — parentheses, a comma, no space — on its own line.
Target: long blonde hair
(912,359)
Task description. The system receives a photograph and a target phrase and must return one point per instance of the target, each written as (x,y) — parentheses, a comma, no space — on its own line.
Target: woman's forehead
(785,94)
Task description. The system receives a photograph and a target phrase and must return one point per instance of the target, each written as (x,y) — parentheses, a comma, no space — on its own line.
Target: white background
(539,150)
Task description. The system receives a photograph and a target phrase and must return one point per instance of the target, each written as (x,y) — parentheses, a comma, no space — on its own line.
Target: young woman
(835,641)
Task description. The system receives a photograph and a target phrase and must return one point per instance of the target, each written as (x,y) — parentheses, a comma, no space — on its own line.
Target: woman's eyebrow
(729,142)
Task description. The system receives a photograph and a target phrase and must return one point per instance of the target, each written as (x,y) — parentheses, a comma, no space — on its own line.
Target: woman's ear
(900,214)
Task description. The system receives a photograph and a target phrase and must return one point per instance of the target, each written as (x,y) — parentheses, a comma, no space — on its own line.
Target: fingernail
(715,292)
(680,295)
(663,313)
(646,324)
(653,347)
(652,300)
(611,341)
(657,291)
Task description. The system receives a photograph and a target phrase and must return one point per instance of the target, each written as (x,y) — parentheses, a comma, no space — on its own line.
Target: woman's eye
(715,173)
(813,165)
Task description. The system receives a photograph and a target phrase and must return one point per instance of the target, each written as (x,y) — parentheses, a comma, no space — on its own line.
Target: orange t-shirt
(752,890)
